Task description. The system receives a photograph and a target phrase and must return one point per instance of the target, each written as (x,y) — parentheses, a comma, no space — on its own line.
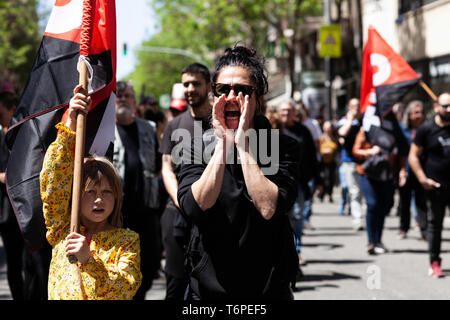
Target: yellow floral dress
(113,272)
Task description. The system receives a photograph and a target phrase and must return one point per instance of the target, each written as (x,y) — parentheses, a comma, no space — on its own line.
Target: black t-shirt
(307,157)
(133,167)
(349,139)
(242,247)
(435,141)
(188,126)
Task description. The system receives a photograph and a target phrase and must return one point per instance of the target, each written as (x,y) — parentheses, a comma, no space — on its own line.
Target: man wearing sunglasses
(429,158)
(175,230)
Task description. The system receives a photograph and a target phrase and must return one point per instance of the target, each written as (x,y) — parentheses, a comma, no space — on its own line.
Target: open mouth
(232,111)
(232,114)
(98,210)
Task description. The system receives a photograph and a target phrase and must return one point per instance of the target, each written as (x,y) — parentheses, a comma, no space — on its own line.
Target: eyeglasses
(445,106)
(223,88)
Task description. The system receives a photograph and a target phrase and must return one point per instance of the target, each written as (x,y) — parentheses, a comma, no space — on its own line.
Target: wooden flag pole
(428,90)
(85,42)
(79,159)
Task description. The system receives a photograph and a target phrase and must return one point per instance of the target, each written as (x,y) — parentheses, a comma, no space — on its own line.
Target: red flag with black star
(386,77)
(45,99)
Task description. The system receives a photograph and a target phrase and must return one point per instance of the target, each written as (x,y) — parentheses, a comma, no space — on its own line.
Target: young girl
(108,256)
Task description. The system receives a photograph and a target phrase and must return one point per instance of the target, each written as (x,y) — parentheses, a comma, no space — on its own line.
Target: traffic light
(124,49)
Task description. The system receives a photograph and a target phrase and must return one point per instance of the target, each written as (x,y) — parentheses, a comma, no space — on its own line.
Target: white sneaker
(380,248)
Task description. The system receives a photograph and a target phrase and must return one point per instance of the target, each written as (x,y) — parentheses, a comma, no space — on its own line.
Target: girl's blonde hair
(95,168)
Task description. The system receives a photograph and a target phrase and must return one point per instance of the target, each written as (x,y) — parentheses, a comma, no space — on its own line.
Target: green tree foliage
(219,23)
(19,39)
(206,27)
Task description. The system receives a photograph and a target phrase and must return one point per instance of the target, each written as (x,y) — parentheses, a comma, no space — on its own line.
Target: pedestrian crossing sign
(330,41)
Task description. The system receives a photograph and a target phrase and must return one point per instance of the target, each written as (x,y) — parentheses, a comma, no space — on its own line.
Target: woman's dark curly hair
(247,58)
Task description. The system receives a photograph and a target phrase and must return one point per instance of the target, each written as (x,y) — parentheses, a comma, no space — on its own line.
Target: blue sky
(135,23)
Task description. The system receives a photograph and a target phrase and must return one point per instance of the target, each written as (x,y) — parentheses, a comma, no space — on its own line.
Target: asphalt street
(339,268)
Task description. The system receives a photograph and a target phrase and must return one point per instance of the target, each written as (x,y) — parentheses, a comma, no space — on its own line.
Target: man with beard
(429,158)
(135,157)
(179,131)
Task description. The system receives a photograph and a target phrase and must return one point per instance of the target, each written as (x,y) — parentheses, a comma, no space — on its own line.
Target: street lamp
(167,51)
(327,14)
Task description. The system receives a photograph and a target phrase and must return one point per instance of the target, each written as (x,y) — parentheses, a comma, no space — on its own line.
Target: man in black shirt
(179,132)
(429,158)
(135,157)
(308,165)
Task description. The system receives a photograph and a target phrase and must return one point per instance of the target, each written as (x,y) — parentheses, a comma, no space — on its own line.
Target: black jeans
(37,265)
(176,277)
(405,193)
(15,250)
(175,288)
(379,199)
(150,252)
(328,174)
(437,201)
(145,222)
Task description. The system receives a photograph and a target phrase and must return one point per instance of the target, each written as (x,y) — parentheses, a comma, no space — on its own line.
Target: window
(408,5)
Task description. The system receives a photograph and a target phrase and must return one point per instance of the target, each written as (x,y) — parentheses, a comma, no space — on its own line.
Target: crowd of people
(188,186)
(406,154)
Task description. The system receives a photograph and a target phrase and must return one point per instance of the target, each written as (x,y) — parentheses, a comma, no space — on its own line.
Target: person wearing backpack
(242,245)
(382,150)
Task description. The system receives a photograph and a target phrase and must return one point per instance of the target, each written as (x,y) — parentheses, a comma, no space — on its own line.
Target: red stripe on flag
(102,37)
(97,96)
(72,35)
(61,3)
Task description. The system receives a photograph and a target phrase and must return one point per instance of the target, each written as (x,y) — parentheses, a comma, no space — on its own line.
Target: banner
(45,99)
(386,77)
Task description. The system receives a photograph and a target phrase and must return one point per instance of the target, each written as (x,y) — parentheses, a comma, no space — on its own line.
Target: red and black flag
(386,77)
(45,99)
